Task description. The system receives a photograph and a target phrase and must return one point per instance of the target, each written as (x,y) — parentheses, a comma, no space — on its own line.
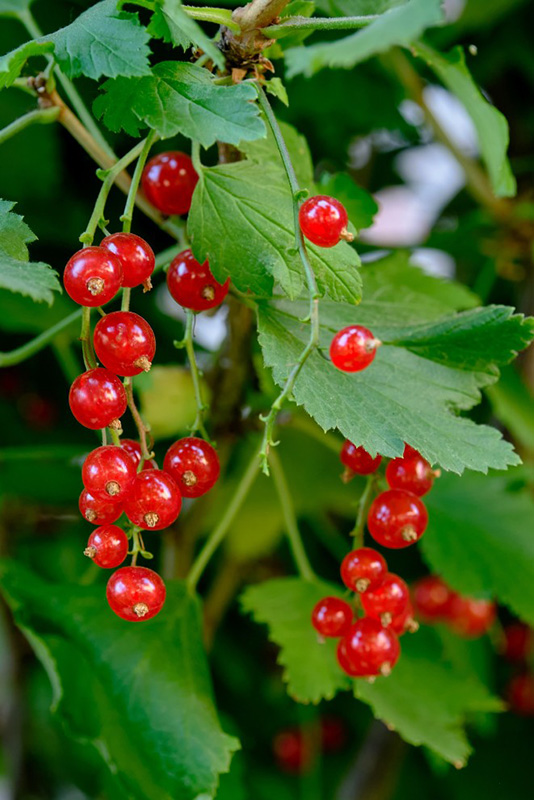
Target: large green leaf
(361,206)
(181,98)
(12,64)
(140,694)
(170,23)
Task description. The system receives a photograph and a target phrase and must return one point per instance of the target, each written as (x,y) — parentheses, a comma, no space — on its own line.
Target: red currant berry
(332,617)
(136,257)
(291,751)
(368,649)
(323,220)
(432,598)
(153,501)
(97,399)
(92,277)
(410,452)
(363,569)
(168,181)
(134,451)
(194,465)
(397,519)
(358,460)
(135,593)
(470,617)
(333,734)
(343,660)
(520,695)
(124,343)
(404,622)
(388,600)
(192,285)
(108,472)
(107,546)
(518,643)
(413,474)
(353,348)
(98,510)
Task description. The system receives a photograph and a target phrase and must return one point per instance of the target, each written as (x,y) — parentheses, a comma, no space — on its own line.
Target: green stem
(226,520)
(219,16)
(134,186)
(85,338)
(126,295)
(366,498)
(290,24)
(288,511)
(146,455)
(187,343)
(39,116)
(313,341)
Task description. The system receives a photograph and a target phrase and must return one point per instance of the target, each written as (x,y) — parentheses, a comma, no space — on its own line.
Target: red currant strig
(168,181)
(397,519)
(134,451)
(363,569)
(323,220)
(332,617)
(518,644)
(291,751)
(368,649)
(353,348)
(192,285)
(136,257)
(432,598)
(388,600)
(135,593)
(470,617)
(404,622)
(153,501)
(194,465)
(520,695)
(97,399)
(413,474)
(124,343)
(108,472)
(98,510)
(358,460)
(107,546)
(93,276)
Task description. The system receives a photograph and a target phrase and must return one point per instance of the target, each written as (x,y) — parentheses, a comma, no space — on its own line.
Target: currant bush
(397,519)
(388,600)
(323,220)
(368,649)
(363,569)
(136,257)
(412,474)
(153,501)
(109,472)
(332,617)
(99,510)
(107,546)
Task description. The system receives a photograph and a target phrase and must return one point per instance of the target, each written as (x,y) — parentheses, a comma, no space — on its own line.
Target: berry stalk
(202,407)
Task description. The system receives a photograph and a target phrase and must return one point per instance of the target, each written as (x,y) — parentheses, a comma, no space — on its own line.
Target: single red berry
(397,519)
(358,460)
(520,695)
(192,285)
(97,399)
(323,220)
(413,474)
(410,452)
(432,598)
(343,660)
(353,348)
(332,617)
(388,600)
(333,734)
(108,472)
(368,649)
(404,622)
(518,644)
(124,343)
(135,593)
(363,569)
(107,546)
(98,510)
(470,617)
(153,501)
(168,181)
(291,751)
(136,257)
(194,465)
(92,277)
(134,451)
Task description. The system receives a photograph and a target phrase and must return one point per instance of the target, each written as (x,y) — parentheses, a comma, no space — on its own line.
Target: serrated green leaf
(275,87)
(265,150)
(170,23)
(361,206)
(14,233)
(148,684)
(490,124)
(12,64)
(398,26)
(181,98)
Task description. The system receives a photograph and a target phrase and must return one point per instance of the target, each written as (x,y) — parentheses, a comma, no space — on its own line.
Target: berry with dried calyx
(192,285)
(332,616)
(413,474)
(135,593)
(353,348)
(153,501)
(368,649)
(99,510)
(363,569)
(124,343)
(168,182)
(107,546)
(136,257)
(194,465)
(358,460)
(323,221)
(387,601)
(397,519)
(404,622)
(92,277)
(108,472)
(97,399)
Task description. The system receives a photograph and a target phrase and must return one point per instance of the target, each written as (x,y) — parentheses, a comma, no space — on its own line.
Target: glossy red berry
(168,181)
(388,600)
(291,751)
(518,642)
(368,649)
(194,465)
(135,593)
(358,460)
(353,348)
(404,622)
(136,257)
(332,617)
(520,695)
(97,399)
(134,451)
(124,343)
(192,285)
(107,546)
(470,617)
(413,474)
(397,519)
(323,220)
(93,276)
(432,598)
(108,472)
(363,569)
(153,501)
(98,510)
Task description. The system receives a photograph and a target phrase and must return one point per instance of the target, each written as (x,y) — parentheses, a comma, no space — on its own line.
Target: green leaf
(480,539)
(265,150)
(14,233)
(512,404)
(12,64)
(361,206)
(490,124)
(275,87)
(351,8)
(151,715)
(171,23)
(181,98)
(285,605)
(397,26)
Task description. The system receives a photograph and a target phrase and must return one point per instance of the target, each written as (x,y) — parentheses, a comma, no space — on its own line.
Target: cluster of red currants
(434,601)
(518,649)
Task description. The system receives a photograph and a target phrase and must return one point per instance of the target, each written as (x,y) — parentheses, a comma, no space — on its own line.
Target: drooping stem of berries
(196,375)
(366,498)
(146,454)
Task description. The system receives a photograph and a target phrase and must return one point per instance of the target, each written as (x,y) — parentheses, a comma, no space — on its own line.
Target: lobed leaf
(171,23)
(12,64)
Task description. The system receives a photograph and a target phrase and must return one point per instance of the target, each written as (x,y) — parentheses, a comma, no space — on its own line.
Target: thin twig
(142,430)
(366,498)
(196,375)
(39,116)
